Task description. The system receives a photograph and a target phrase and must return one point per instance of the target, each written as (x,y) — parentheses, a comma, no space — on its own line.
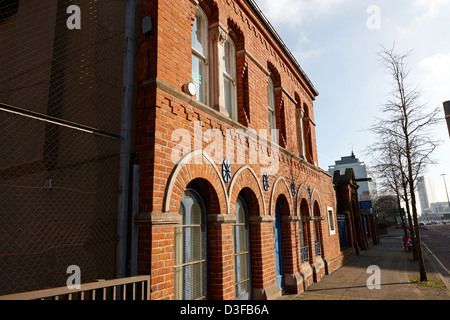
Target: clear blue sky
(336,43)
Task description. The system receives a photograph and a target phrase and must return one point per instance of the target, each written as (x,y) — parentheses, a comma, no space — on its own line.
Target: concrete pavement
(397,272)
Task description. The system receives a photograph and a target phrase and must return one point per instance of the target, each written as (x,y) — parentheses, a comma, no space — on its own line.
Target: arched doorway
(278,244)
(281,209)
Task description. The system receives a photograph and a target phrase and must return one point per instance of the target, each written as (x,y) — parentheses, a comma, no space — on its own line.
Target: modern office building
(368,188)
(425,189)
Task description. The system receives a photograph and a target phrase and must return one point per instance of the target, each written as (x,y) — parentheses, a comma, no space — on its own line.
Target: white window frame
(203,94)
(271,109)
(331,221)
(229,59)
(300,131)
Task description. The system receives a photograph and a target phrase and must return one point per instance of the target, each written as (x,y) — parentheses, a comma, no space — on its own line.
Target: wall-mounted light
(189,88)
(146,25)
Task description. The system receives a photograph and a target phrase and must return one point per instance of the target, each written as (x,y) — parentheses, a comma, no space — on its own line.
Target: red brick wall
(163,111)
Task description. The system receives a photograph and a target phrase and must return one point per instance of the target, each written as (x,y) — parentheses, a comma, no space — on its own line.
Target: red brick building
(232,204)
(357,231)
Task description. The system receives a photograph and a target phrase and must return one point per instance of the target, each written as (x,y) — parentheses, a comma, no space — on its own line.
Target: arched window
(317,230)
(242,274)
(190,249)
(230,78)
(308,135)
(302,229)
(299,114)
(271,107)
(200,55)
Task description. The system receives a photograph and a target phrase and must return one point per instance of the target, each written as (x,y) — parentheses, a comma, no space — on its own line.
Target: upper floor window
(308,135)
(271,107)
(200,55)
(230,78)
(299,113)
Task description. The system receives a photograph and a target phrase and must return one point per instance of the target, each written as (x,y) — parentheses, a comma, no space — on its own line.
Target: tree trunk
(422,271)
(410,220)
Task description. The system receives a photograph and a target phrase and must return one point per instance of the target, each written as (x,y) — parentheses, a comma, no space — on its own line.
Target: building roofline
(283,46)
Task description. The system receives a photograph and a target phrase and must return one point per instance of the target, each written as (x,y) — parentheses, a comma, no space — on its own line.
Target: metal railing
(304,253)
(132,288)
(317,248)
(60,130)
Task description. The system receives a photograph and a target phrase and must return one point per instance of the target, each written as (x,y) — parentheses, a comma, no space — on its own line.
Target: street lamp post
(443,176)
(447,114)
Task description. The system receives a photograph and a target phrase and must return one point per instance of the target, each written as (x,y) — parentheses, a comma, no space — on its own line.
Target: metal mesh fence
(60,101)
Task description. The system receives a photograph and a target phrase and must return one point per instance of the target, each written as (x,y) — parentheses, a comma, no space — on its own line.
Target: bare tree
(405,139)
(390,165)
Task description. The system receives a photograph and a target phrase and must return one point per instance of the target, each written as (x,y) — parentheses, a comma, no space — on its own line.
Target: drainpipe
(125,141)
(134,229)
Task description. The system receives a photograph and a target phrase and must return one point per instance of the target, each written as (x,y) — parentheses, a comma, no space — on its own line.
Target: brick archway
(316,198)
(302,194)
(245,177)
(195,165)
(281,195)
(280,187)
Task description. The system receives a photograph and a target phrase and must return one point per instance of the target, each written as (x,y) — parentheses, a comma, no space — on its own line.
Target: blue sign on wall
(365,204)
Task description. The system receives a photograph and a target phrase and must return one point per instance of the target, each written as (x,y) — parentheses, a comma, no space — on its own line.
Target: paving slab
(397,272)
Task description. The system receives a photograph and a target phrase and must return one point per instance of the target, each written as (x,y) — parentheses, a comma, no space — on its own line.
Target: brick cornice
(221,218)
(261,219)
(157,218)
(291,219)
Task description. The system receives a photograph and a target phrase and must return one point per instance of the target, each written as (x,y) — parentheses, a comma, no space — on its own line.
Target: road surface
(436,242)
